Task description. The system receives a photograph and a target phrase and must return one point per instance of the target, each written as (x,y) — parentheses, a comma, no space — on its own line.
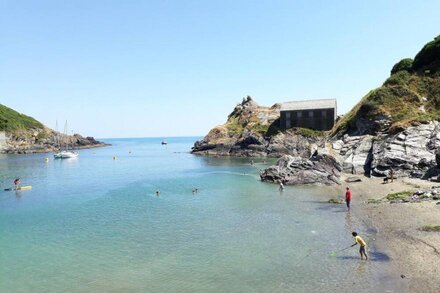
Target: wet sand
(414,255)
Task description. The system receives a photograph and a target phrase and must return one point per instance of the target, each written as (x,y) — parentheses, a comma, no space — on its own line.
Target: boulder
(292,170)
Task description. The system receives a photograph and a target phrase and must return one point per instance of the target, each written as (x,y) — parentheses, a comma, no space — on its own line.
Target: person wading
(362,244)
(348,197)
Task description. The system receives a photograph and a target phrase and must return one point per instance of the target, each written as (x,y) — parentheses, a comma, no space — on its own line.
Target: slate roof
(308,105)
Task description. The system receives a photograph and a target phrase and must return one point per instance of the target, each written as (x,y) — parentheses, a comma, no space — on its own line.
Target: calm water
(94,224)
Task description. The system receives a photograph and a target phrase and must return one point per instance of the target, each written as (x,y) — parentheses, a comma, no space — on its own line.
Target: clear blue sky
(175,68)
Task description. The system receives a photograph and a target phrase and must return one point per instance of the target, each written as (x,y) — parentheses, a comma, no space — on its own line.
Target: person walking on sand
(348,197)
(391,174)
(362,244)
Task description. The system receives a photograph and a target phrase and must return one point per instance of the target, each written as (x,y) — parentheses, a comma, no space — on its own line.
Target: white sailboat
(66,153)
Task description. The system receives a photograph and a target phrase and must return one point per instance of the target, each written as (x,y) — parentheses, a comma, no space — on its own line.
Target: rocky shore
(252,131)
(44,141)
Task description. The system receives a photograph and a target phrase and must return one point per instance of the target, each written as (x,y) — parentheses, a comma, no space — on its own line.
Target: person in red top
(348,197)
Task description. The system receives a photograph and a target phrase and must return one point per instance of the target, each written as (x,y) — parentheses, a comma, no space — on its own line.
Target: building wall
(320,119)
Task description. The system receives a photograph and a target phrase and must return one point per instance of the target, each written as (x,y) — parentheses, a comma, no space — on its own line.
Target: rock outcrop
(20,134)
(252,131)
(43,140)
(290,170)
(394,127)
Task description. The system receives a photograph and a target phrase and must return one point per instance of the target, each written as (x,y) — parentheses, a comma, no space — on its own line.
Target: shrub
(429,57)
(400,78)
(398,195)
(404,64)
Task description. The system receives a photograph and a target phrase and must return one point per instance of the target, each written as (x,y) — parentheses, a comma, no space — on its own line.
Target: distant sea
(95,224)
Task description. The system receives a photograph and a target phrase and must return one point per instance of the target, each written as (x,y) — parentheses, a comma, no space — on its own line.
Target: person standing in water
(362,244)
(17,183)
(281,186)
(348,197)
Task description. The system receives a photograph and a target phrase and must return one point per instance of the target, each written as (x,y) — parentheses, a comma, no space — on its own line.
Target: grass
(399,195)
(11,120)
(431,228)
(309,132)
(233,126)
(409,96)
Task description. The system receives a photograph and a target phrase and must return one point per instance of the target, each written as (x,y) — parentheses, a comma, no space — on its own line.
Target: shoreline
(413,255)
(43,151)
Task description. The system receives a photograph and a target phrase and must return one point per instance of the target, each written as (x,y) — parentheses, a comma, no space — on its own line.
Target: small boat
(164,142)
(65,155)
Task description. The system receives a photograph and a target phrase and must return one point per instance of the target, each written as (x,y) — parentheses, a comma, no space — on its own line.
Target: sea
(97,224)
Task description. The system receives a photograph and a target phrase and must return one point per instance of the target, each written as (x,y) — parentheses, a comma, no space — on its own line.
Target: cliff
(395,126)
(252,130)
(24,134)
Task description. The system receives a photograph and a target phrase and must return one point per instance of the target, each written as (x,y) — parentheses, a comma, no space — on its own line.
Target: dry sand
(414,254)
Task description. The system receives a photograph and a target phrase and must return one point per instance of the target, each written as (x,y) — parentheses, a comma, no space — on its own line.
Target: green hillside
(11,120)
(410,95)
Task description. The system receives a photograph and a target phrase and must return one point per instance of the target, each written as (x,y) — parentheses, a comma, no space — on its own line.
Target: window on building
(288,125)
(324,113)
(287,115)
(298,114)
(310,114)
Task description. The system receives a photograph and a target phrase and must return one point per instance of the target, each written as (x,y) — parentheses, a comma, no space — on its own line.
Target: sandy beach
(414,255)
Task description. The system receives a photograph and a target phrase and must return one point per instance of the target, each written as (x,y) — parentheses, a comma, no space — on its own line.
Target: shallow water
(94,224)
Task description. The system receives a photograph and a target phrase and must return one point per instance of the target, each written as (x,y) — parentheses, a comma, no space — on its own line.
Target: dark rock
(291,170)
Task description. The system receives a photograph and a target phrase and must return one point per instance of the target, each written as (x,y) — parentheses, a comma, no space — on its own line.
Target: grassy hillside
(11,120)
(410,95)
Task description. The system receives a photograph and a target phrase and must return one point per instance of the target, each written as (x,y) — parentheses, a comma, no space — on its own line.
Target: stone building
(313,114)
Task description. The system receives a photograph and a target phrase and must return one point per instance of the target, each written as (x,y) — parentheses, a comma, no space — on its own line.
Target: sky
(177,68)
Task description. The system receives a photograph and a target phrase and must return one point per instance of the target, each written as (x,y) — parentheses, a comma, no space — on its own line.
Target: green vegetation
(431,228)
(399,195)
(308,132)
(374,201)
(409,96)
(429,57)
(404,64)
(11,120)
(233,126)
(261,128)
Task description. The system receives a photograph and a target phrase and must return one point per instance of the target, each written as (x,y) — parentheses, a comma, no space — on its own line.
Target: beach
(413,254)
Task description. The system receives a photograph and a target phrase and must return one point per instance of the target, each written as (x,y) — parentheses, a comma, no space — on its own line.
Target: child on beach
(362,244)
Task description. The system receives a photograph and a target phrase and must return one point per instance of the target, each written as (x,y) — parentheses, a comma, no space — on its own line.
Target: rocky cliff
(252,131)
(24,134)
(395,126)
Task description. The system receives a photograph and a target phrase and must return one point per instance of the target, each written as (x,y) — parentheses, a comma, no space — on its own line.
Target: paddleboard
(25,187)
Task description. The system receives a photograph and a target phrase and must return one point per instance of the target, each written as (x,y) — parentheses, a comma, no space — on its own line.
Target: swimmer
(157,193)
(281,186)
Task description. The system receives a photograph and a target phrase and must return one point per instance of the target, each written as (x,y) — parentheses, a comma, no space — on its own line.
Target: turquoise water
(94,224)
